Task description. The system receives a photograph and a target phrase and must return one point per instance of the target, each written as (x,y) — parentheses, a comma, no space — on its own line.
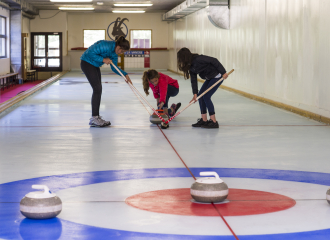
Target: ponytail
(122,42)
(145,82)
(147,75)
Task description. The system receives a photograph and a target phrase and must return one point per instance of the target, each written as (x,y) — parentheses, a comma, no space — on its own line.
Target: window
(140,38)
(92,36)
(46,51)
(2,37)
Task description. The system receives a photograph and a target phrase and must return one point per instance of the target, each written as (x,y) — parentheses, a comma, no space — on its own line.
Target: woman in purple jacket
(101,52)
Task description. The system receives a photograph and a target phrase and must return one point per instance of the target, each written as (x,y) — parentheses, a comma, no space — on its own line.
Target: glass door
(47,51)
(39,51)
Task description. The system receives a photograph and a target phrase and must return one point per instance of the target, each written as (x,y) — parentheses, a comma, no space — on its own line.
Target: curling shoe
(178,105)
(97,121)
(211,124)
(199,123)
(107,123)
(176,108)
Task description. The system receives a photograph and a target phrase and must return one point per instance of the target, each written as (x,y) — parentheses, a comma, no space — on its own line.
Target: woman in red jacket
(163,88)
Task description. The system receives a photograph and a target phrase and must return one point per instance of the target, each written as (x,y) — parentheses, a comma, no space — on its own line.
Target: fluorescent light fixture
(133,4)
(75,8)
(71,1)
(99,3)
(125,11)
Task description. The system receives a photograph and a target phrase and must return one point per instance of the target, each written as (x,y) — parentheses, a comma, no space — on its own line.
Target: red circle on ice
(240,202)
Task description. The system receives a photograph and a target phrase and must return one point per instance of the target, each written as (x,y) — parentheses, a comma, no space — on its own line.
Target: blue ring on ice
(15,226)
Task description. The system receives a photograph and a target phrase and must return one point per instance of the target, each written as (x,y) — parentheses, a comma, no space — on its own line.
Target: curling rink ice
(129,181)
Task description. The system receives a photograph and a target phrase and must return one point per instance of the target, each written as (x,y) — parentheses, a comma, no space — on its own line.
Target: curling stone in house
(328,195)
(155,119)
(40,204)
(209,189)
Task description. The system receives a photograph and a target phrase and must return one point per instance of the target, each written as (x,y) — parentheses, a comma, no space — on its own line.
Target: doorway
(46,49)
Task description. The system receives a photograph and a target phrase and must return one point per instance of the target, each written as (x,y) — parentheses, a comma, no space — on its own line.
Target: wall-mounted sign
(137,59)
(134,54)
(117,28)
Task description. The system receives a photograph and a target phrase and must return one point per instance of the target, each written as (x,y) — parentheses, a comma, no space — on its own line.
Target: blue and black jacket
(102,49)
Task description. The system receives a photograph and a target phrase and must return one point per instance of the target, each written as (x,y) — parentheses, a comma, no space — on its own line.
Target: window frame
(130,36)
(4,37)
(83,41)
(32,57)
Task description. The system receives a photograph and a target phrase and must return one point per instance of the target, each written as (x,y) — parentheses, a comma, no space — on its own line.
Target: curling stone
(155,119)
(41,204)
(328,195)
(210,189)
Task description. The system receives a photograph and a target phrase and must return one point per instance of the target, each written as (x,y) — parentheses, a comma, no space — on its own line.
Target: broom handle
(132,87)
(220,80)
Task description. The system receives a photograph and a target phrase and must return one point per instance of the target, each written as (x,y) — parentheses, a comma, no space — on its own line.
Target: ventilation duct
(217,11)
(29,16)
(173,14)
(184,9)
(197,4)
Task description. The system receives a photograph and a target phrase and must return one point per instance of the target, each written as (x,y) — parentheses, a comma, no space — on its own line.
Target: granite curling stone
(210,189)
(328,195)
(155,119)
(41,204)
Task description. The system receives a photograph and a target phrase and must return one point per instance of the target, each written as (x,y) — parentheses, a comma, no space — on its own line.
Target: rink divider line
(231,230)
(176,152)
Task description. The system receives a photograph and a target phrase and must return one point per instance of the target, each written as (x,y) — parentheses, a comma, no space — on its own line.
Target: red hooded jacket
(160,91)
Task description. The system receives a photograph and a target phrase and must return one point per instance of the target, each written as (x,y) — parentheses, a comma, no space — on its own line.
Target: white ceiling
(158,5)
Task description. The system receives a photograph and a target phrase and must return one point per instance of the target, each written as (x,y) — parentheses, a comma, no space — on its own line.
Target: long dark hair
(185,57)
(147,75)
(123,43)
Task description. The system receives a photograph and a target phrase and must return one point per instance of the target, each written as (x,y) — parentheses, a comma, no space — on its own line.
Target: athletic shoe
(173,106)
(177,107)
(199,123)
(108,123)
(211,124)
(96,121)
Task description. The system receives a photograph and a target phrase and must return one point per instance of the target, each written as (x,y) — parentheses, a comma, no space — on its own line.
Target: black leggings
(205,101)
(93,75)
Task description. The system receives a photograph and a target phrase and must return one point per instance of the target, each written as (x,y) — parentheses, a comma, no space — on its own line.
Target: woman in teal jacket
(101,52)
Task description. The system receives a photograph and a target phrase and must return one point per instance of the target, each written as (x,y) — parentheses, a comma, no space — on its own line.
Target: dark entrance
(46,51)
